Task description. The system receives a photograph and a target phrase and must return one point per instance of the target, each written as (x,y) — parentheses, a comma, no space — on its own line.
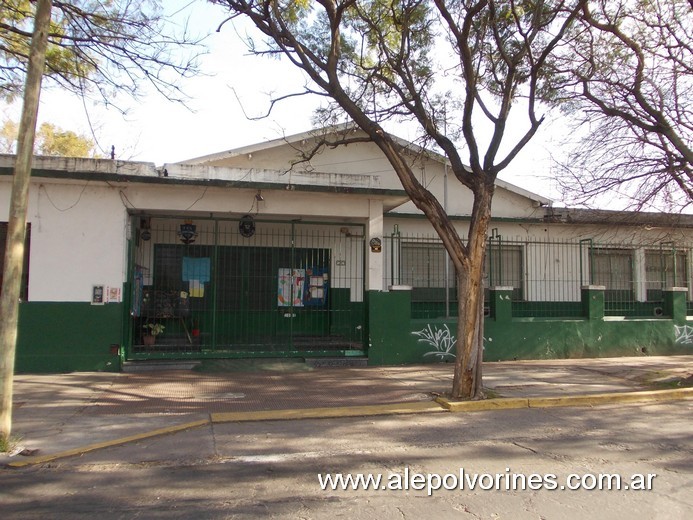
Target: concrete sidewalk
(68,414)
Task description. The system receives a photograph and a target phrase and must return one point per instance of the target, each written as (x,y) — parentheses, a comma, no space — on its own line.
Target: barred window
(423,264)
(613,268)
(423,267)
(664,269)
(504,267)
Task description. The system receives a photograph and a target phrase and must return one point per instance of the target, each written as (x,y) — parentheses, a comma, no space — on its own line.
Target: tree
(50,140)
(632,67)
(449,67)
(84,46)
(16,229)
(102,48)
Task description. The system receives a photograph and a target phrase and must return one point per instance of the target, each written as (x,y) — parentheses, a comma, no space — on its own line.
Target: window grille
(661,271)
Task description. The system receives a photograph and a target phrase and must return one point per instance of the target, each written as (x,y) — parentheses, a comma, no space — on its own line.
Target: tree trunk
(14,249)
(467,383)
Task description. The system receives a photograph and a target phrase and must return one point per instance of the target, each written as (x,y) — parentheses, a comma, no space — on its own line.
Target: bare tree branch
(630,63)
(101,49)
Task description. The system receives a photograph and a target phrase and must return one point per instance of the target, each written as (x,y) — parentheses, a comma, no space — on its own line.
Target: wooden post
(14,250)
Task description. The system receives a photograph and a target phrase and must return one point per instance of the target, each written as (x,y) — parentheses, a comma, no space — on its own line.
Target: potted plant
(152,330)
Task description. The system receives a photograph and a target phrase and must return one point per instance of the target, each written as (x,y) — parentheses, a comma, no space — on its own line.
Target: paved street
(270,469)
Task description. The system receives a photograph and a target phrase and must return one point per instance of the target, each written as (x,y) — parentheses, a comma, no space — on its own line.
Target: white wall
(79,228)
(77,238)
(366,159)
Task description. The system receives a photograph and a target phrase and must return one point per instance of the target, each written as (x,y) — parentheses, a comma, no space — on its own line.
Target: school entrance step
(158,365)
(337,362)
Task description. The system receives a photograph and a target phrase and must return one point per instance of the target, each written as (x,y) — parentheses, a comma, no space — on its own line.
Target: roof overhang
(61,169)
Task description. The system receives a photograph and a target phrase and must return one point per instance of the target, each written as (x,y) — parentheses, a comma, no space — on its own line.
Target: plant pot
(148,339)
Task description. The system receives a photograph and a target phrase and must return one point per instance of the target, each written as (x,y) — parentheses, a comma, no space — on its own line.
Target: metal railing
(546,275)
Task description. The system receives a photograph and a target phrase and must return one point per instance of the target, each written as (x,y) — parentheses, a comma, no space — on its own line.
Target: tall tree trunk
(467,382)
(14,250)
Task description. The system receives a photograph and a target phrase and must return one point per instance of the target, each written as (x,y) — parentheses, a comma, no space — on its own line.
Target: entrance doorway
(222,288)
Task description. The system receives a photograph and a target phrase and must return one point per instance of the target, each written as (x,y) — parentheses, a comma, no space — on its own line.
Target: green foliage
(154,329)
(9,443)
(8,136)
(393,34)
(50,140)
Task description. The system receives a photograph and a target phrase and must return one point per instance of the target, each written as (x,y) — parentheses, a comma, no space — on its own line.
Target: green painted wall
(347,318)
(396,338)
(64,337)
(68,337)
(390,336)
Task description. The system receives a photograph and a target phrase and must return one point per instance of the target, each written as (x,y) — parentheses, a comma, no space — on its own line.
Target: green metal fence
(546,276)
(228,287)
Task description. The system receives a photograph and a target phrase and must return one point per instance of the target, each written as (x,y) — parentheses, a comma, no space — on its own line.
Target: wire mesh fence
(546,276)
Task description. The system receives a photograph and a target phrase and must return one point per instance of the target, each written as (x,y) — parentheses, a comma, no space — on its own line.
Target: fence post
(593,301)
(501,303)
(675,304)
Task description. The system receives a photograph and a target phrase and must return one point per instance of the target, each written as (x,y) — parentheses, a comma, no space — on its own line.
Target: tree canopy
(50,140)
(97,48)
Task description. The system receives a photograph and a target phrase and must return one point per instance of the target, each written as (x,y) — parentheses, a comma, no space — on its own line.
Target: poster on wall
(316,294)
(291,287)
(114,295)
(197,272)
(97,295)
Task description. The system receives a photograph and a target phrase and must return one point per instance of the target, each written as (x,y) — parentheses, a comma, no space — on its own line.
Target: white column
(375,280)
(640,275)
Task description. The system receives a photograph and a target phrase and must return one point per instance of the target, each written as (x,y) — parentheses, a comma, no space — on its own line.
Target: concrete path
(57,416)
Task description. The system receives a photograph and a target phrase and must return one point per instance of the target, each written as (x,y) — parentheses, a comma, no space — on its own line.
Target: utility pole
(16,232)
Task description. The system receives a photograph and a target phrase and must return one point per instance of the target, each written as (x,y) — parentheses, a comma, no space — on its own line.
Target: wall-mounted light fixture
(259,197)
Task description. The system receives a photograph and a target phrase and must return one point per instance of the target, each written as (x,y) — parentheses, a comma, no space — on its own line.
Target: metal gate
(210,287)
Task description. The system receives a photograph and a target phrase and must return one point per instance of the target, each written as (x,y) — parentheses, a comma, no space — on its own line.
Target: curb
(507,403)
(265,415)
(439,404)
(30,461)
(329,412)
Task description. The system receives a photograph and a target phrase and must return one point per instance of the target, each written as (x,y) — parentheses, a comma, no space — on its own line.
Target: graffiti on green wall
(684,334)
(440,338)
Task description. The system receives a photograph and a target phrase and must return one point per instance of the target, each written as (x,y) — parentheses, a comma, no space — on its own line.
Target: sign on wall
(290,287)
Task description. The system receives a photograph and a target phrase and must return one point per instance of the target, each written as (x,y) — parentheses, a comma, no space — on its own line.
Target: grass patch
(491,394)
(487,393)
(673,383)
(8,444)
